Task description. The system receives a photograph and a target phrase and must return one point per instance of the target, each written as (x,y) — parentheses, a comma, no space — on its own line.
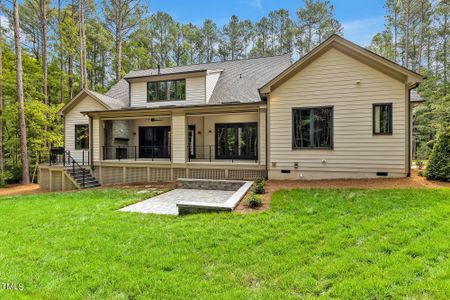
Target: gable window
(81,136)
(312,128)
(166,90)
(382,118)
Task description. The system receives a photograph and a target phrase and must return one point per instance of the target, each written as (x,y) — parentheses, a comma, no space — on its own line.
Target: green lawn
(311,243)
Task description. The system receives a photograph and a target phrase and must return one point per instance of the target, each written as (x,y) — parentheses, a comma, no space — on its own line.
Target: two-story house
(340,111)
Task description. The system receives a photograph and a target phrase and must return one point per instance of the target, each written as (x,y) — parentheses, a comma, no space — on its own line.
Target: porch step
(89,180)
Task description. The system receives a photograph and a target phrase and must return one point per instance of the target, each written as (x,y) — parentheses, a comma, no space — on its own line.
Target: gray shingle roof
(113,103)
(239,80)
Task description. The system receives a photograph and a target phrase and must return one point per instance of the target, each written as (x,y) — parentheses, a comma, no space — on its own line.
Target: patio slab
(166,204)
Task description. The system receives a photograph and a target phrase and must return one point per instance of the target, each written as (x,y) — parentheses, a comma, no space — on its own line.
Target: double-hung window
(166,90)
(81,136)
(382,118)
(312,128)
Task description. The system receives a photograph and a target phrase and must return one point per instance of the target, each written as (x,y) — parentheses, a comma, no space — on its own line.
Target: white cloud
(361,31)
(255,3)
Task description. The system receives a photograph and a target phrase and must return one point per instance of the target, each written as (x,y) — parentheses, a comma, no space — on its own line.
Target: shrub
(260,186)
(254,201)
(439,165)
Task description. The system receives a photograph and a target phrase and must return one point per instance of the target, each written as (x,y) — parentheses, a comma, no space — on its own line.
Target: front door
(237,141)
(154,142)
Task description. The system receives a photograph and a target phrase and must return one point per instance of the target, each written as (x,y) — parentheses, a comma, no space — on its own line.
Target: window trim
(75,137)
(312,147)
(156,81)
(390,127)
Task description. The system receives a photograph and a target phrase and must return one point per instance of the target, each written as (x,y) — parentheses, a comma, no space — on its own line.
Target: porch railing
(62,157)
(211,153)
(136,153)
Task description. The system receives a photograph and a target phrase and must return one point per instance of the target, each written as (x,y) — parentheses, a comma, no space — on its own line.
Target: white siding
(179,132)
(195,94)
(211,81)
(331,81)
(74,117)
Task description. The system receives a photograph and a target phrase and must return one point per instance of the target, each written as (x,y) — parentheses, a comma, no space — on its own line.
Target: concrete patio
(194,195)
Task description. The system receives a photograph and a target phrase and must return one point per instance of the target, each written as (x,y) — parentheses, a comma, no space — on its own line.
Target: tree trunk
(61,53)
(2,164)
(44,48)
(119,54)
(81,25)
(20,97)
(445,45)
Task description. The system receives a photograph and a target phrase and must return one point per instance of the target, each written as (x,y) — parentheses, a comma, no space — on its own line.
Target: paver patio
(166,204)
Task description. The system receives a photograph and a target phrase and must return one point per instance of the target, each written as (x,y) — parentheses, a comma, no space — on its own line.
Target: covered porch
(218,136)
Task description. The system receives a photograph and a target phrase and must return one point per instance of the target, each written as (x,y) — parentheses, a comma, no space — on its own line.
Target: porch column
(178,138)
(96,147)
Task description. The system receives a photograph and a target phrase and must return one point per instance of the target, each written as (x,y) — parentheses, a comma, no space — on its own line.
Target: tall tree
(160,25)
(210,38)
(122,16)
(316,22)
(20,96)
(82,35)
(2,163)
(235,37)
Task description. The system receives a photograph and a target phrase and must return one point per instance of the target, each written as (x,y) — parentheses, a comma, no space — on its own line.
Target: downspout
(409,133)
(409,128)
(267,138)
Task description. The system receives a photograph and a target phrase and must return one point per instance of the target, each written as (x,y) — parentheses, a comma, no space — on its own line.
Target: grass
(311,243)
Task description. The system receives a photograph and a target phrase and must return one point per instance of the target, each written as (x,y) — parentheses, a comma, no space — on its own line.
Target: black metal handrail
(211,153)
(60,157)
(70,163)
(136,152)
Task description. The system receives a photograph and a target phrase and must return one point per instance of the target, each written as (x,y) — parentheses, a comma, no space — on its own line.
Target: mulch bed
(21,189)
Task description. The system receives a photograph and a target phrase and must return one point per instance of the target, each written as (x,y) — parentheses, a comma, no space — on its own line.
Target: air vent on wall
(382,174)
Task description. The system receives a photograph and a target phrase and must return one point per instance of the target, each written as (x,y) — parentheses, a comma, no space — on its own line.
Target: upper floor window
(166,90)
(81,136)
(312,128)
(382,118)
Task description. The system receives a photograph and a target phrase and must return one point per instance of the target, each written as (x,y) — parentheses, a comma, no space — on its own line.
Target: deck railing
(136,152)
(211,153)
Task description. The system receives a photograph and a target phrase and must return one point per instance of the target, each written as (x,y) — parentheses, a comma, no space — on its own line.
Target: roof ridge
(214,62)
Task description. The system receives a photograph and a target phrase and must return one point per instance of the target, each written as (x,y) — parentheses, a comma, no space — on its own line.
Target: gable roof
(239,79)
(384,65)
(106,101)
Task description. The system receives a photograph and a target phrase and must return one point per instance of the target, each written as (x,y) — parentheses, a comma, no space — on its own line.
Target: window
(166,90)
(382,118)
(312,128)
(81,136)
(237,141)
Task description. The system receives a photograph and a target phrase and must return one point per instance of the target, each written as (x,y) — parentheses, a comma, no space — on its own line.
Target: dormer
(167,87)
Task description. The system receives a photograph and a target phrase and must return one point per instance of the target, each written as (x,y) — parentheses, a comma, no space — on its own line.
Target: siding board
(331,81)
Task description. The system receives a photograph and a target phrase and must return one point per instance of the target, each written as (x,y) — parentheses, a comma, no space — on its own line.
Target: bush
(260,186)
(254,201)
(439,165)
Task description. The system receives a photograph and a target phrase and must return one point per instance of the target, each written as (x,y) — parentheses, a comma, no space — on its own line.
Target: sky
(361,19)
